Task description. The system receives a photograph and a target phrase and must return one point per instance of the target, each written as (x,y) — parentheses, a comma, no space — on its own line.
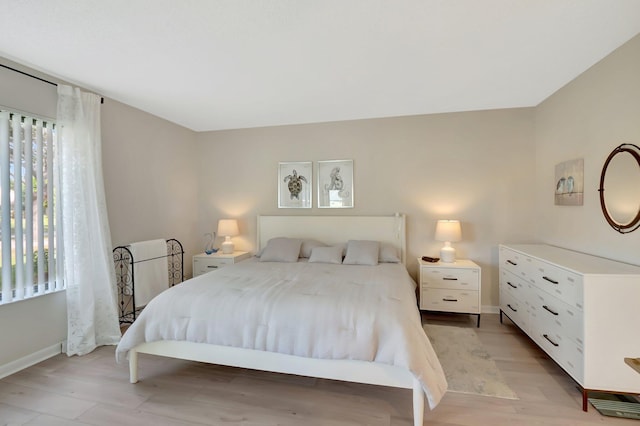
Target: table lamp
(227,228)
(448,231)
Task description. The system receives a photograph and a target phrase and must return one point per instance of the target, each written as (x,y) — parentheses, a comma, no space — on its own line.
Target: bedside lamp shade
(227,228)
(448,231)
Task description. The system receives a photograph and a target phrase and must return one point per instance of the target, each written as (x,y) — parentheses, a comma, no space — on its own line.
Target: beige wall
(151,190)
(473,166)
(43,320)
(150,179)
(587,119)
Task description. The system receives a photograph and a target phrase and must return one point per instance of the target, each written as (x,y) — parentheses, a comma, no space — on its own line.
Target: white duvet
(314,310)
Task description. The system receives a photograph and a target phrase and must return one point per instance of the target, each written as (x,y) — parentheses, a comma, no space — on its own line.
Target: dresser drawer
(565,319)
(446,300)
(513,285)
(572,360)
(517,263)
(563,284)
(552,343)
(514,309)
(450,278)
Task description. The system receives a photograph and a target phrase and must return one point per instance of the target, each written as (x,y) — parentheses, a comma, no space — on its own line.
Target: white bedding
(314,310)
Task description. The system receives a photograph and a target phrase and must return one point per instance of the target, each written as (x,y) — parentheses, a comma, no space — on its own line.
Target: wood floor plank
(10,415)
(47,420)
(43,402)
(94,390)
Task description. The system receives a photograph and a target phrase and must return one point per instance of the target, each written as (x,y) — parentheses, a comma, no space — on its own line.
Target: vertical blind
(28,216)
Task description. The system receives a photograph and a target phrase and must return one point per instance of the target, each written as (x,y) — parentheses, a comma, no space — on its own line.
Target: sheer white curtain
(86,242)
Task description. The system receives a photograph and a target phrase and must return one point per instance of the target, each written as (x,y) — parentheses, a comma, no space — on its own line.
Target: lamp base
(227,246)
(447,253)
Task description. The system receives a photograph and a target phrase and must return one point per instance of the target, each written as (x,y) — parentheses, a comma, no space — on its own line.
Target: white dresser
(450,287)
(583,310)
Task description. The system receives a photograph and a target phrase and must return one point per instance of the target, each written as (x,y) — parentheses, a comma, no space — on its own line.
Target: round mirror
(620,188)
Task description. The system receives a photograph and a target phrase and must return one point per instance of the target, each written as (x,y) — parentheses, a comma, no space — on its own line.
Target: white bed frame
(331,230)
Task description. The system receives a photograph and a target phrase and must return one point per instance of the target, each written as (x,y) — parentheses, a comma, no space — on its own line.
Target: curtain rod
(36,77)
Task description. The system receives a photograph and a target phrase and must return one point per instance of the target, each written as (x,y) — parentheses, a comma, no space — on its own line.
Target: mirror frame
(623,228)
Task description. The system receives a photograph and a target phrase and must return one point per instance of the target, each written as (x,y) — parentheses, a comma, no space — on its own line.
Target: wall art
(335,184)
(570,183)
(295,181)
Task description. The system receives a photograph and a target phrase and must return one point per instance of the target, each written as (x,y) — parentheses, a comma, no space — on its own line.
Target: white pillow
(281,250)
(362,252)
(326,255)
(308,245)
(388,254)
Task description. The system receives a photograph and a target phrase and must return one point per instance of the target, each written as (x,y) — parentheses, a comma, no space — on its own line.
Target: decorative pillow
(308,246)
(388,254)
(362,252)
(281,250)
(326,255)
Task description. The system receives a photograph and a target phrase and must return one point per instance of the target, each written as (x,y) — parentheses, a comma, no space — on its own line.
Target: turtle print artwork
(294,184)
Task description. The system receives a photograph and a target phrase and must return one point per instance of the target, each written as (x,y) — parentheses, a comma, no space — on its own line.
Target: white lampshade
(227,228)
(448,231)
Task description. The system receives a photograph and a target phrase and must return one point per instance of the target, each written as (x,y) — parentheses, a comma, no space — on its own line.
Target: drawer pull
(446,299)
(550,341)
(450,278)
(550,280)
(512,262)
(511,285)
(549,310)
(512,308)
(212,267)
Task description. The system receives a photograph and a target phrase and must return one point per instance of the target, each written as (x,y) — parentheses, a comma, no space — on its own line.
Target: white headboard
(335,229)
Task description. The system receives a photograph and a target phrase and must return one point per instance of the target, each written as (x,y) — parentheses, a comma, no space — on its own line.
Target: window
(28,241)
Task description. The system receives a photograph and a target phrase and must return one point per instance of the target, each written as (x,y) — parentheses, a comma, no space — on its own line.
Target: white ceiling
(224,64)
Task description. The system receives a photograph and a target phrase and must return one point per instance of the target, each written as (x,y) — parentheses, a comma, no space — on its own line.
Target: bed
(356,322)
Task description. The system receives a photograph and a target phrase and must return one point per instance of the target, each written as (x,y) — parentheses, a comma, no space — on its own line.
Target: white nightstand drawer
(202,266)
(450,287)
(463,279)
(446,300)
(203,263)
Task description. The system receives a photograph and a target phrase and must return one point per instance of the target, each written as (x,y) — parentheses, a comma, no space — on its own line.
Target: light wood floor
(94,390)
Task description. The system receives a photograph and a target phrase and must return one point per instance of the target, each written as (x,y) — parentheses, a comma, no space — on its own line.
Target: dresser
(203,263)
(582,310)
(450,287)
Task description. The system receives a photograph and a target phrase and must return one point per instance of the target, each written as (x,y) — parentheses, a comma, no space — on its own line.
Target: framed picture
(294,185)
(569,183)
(335,184)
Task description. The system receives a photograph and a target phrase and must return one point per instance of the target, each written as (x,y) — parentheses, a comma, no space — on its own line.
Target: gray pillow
(326,255)
(362,252)
(281,250)
(308,245)
(388,254)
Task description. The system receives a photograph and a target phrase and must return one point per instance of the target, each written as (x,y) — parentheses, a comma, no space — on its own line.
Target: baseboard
(29,360)
(490,309)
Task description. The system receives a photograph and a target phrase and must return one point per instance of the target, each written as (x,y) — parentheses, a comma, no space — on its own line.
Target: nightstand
(203,263)
(450,287)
